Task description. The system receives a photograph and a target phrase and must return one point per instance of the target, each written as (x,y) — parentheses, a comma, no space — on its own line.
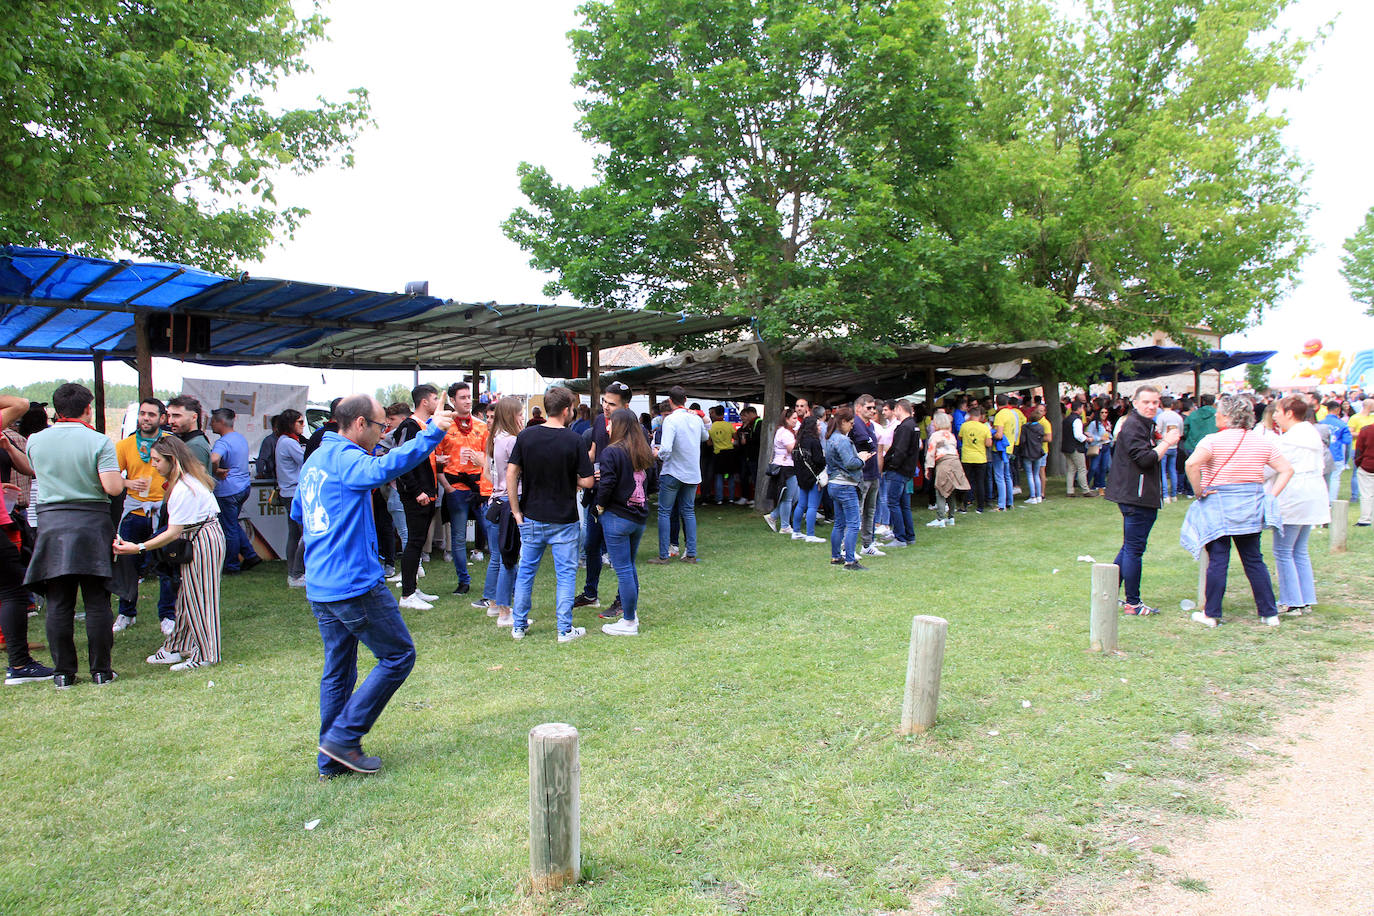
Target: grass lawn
(741,754)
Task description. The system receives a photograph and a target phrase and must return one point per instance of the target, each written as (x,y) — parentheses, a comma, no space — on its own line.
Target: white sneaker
(395,578)
(936,523)
(1271,621)
(424,558)
(168,626)
(574,633)
(622,627)
(786,530)
(949,522)
(883,531)
(516,633)
(163,657)
(872,551)
(123,623)
(506,619)
(190,664)
(414,602)
(797,535)
(476,556)
(741,501)
(1202,618)
(293,582)
(672,550)
(420,573)
(768,520)
(425,596)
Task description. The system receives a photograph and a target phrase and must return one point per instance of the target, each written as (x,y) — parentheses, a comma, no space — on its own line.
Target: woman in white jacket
(1303,503)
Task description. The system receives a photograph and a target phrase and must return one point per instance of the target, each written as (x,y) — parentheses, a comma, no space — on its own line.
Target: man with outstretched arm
(343,576)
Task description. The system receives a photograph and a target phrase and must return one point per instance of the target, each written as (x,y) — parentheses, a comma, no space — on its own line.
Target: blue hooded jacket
(333,506)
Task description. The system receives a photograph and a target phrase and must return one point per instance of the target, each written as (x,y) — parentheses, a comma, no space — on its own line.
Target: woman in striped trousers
(191,513)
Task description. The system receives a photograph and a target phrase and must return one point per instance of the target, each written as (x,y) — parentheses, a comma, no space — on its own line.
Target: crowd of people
(377,490)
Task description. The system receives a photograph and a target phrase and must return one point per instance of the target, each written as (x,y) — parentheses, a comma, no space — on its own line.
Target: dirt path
(1303,839)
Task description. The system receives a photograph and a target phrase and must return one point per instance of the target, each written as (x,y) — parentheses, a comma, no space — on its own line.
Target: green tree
(1357,264)
(116,394)
(1257,377)
(757,157)
(1123,171)
(398,393)
(142,127)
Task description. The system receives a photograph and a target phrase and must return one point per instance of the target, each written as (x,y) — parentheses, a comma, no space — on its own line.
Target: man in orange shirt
(463,456)
(142,505)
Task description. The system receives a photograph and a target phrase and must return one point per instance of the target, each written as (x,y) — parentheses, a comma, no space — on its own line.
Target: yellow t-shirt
(975,435)
(1049,430)
(135,468)
(1359,422)
(1009,421)
(722,436)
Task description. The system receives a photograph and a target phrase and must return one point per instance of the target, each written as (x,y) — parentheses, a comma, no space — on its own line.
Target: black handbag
(178,553)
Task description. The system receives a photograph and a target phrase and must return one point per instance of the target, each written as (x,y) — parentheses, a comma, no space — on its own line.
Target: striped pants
(196,635)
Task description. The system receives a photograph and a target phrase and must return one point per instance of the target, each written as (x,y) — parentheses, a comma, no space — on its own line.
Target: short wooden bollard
(1340,524)
(555,810)
(1103,624)
(924,661)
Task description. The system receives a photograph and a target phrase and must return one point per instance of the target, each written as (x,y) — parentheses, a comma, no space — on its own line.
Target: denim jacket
(1234,508)
(842,463)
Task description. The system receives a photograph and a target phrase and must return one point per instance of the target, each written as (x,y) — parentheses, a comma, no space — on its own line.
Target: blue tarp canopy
(55,305)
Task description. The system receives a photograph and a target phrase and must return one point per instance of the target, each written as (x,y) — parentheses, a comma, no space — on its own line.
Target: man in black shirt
(597,437)
(547,466)
(419,489)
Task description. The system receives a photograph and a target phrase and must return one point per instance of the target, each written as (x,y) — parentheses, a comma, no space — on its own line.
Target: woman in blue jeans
(1099,433)
(844,465)
(808,459)
(499,588)
(624,479)
(1302,504)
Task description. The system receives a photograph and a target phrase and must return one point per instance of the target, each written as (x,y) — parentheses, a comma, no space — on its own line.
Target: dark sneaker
(659,561)
(64,681)
(462,588)
(836,561)
(614,611)
(690,560)
(249,563)
(585,600)
(28,674)
(856,566)
(103,677)
(351,757)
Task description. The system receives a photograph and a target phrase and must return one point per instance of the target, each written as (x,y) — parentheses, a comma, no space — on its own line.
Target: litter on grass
(311,825)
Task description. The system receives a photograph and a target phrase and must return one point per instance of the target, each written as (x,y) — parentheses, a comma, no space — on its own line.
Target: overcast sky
(462,93)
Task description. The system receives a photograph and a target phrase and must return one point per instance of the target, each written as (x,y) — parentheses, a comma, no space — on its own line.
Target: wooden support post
(476,381)
(99,392)
(1103,625)
(924,660)
(1197,382)
(1116,379)
(1340,524)
(143,356)
(555,810)
(594,370)
(930,388)
(653,402)
(1202,580)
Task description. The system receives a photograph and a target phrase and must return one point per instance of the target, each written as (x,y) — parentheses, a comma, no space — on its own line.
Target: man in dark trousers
(899,467)
(419,489)
(1134,484)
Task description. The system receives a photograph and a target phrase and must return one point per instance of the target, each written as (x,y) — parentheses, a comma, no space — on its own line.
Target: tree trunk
(774,394)
(1054,412)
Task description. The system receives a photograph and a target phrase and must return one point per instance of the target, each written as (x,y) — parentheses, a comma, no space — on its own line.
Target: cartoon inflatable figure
(1360,373)
(1322,367)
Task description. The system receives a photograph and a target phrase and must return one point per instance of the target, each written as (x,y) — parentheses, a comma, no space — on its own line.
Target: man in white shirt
(680,450)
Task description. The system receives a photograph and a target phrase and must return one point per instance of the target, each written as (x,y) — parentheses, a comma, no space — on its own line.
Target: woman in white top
(1302,504)
(507,419)
(784,441)
(191,513)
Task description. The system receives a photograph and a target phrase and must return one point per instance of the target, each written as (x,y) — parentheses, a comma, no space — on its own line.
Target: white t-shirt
(190,503)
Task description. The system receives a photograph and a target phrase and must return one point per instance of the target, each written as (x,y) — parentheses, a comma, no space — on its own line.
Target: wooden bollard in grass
(555,810)
(1340,524)
(1103,624)
(924,661)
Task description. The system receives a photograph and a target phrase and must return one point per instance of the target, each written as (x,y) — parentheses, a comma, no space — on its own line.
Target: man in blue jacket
(343,575)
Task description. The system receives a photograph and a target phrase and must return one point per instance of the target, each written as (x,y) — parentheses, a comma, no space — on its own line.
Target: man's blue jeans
(373,619)
(236,541)
(593,542)
(137,529)
(1136,522)
(457,502)
(499,586)
(622,543)
(899,507)
(1001,471)
(673,492)
(562,543)
(1170,466)
(848,517)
